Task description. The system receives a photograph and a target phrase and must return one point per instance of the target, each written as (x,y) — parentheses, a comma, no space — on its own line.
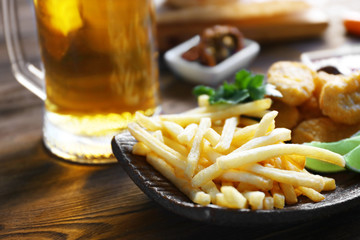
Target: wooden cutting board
(175,26)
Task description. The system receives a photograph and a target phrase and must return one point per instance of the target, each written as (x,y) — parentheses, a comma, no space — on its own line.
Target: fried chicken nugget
(340,100)
(321,78)
(288,116)
(310,108)
(323,130)
(294,80)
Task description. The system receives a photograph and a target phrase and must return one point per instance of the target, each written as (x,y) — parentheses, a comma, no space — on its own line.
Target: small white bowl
(200,74)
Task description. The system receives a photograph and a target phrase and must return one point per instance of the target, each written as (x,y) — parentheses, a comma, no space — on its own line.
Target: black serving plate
(159,189)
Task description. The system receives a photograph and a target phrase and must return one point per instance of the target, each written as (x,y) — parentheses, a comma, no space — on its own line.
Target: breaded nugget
(310,109)
(321,78)
(323,130)
(340,100)
(294,80)
(288,116)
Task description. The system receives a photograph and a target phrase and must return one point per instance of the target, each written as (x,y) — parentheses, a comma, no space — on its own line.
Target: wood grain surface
(43,197)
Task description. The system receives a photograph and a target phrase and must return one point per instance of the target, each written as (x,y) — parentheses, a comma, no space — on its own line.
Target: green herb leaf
(246,87)
(257,93)
(239,96)
(242,79)
(256,81)
(201,89)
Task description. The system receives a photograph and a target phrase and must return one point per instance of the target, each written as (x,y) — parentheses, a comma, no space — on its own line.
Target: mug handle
(25,73)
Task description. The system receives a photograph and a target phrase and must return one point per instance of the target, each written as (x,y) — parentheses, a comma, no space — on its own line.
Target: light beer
(100,62)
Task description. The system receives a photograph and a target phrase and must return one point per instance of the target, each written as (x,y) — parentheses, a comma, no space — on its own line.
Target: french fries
(278,196)
(149,123)
(249,178)
(222,114)
(194,153)
(187,134)
(227,134)
(207,155)
(255,199)
(239,159)
(266,123)
(233,198)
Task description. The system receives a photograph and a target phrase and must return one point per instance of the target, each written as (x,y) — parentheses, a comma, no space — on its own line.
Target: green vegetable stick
(352,159)
(348,147)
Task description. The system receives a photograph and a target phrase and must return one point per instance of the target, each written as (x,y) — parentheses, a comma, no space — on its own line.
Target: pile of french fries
(218,154)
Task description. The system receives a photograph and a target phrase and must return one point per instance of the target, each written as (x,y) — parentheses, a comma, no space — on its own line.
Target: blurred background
(270,22)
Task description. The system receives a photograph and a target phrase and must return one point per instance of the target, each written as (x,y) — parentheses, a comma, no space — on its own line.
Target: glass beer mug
(99,67)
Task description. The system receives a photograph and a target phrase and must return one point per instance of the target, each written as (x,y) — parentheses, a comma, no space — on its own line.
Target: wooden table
(42,197)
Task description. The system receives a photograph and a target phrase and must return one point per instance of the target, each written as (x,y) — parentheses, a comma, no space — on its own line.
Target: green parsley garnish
(246,87)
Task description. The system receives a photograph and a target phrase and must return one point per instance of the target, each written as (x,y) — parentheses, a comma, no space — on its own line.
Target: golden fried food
(310,108)
(288,116)
(340,100)
(321,78)
(323,130)
(294,80)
